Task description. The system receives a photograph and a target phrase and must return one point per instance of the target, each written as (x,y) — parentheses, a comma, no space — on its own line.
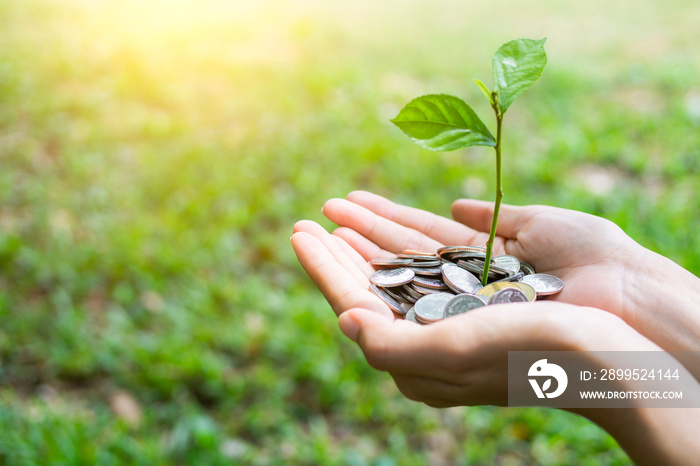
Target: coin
(483,298)
(447,250)
(393,304)
(431,308)
(423,290)
(509,263)
(392,277)
(461,304)
(426,263)
(414,276)
(513,278)
(528,290)
(454,257)
(411,315)
(418,258)
(460,280)
(508,295)
(544,284)
(390,262)
(476,267)
(526,268)
(491,288)
(427,282)
(410,293)
(416,252)
(409,298)
(396,294)
(494,269)
(427,271)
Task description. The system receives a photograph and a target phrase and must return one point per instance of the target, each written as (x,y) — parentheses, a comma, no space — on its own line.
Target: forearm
(663,302)
(648,435)
(652,435)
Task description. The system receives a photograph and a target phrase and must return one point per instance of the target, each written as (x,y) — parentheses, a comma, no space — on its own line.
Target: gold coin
(528,290)
(490,289)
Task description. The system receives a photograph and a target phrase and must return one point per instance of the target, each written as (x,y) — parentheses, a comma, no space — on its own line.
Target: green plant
(440,122)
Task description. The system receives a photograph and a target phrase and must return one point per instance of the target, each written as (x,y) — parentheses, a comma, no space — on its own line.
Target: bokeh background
(155,155)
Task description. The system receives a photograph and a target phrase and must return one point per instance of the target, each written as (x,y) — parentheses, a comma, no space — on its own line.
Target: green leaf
(516,66)
(485,90)
(442,122)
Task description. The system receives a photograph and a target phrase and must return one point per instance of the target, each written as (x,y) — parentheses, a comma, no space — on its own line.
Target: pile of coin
(426,287)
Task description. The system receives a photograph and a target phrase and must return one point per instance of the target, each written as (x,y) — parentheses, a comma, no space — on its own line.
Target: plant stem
(499,193)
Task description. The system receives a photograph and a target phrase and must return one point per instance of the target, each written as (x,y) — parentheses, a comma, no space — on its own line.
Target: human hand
(601,266)
(461,360)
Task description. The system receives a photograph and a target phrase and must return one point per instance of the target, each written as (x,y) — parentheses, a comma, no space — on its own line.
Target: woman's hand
(601,266)
(462,360)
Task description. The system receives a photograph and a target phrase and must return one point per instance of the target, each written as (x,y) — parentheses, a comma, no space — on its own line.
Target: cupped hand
(459,361)
(593,256)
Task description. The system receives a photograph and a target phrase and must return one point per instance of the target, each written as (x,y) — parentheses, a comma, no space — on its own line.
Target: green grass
(153,159)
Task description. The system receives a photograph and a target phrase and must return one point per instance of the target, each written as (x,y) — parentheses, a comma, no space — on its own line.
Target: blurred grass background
(154,156)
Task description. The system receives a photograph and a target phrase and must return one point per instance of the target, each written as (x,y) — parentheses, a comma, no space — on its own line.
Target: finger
(340,288)
(384,233)
(479,215)
(441,229)
(430,391)
(367,249)
(398,347)
(354,256)
(331,243)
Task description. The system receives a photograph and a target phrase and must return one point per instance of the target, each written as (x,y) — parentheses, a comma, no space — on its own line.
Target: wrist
(590,329)
(661,301)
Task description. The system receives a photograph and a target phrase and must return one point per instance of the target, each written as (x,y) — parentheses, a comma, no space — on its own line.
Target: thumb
(354,321)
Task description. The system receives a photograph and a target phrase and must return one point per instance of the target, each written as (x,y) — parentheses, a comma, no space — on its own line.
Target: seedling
(441,122)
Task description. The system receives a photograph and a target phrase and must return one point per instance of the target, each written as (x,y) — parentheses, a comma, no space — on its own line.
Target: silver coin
(392,277)
(484,298)
(393,304)
(427,282)
(455,256)
(427,271)
(462,303)
(409,298)
(410,293)
(425,263)
(390,262)
(454,249)
(417,257)
(526,268)
(509,263)
(495,271)
(512,278)
(396,294)
(431,307)
(460,280)
(423,290)
(477,269)
(411,316)
(508,295)
(544,284)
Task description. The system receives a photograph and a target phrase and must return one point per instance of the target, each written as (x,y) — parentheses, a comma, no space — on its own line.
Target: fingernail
(349,326)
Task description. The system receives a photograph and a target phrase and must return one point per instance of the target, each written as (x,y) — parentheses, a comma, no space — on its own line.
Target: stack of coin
(426,287)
